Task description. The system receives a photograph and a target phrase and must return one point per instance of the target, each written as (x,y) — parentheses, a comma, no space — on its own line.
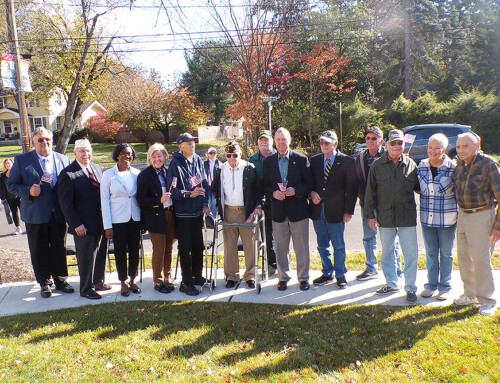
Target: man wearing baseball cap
(265,143)
(187,181)
(333,198)
(390,205)
(374,139)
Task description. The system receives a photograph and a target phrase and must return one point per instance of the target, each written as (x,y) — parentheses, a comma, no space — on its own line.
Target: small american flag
(196,180)
(409,138)
(174,182)
(47,178)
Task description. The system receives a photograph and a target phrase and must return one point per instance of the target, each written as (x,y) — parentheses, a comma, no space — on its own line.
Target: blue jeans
(331,233)
(370,244)
(438,245)
(211,202)
(408,240)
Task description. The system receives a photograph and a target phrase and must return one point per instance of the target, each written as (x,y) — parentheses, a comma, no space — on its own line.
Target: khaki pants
(473,253)
(231,234)
(162,250)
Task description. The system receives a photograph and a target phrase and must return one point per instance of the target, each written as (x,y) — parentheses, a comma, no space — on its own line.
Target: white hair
(82,143)
(441,138)
(285,132)
(41,130)
(474,138)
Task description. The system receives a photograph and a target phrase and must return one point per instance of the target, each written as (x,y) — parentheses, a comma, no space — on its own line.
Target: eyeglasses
(371,138)
(212,152)
(229,155)
(394,143)
(46,139)
(126,154)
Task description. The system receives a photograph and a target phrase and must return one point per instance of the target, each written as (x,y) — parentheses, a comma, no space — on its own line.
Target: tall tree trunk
(311,89)
(69,127)
(407,66)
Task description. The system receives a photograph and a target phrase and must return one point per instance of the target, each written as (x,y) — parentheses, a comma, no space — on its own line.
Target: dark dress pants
(100,261)
(86,251)
(14,205)
(126,238)
(271,255)
(47,250)
(190,243)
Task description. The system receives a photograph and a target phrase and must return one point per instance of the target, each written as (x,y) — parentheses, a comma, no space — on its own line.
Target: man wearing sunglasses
(390,205)
(239,196)
(374,149)
(33,177)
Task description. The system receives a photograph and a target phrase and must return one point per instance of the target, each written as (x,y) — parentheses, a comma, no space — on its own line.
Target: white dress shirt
(233,183)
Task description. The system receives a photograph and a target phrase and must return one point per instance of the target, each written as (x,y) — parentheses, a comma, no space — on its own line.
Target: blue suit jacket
(27,171)
(294,208)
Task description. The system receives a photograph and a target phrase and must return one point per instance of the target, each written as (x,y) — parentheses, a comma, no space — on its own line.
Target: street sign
(269,99)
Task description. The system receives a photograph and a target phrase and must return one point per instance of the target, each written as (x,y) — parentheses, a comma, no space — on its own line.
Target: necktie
(327,169)
(93,180)
(162,176)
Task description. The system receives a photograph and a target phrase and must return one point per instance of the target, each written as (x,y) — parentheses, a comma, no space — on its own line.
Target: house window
(38,122)
(32,102)
(3,102)
(7,126)
(59,123)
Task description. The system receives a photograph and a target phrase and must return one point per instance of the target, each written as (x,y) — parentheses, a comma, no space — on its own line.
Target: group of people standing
(455,197)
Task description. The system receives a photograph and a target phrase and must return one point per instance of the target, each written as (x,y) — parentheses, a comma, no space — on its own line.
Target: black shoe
(230,284)
(162,288)
(251,284)
(200,281)
(304,285)
(102,287)
(189,289)
(65,287)
(341,283)
(411,297)
(366,275)
(282,285)
(170,286)
(93,295)
(45,292)
(323,280)
(136,289)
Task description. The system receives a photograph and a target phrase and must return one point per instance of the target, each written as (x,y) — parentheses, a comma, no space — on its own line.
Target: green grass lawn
(236,342)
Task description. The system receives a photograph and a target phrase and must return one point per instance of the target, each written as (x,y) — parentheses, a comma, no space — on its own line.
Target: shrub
(102,129)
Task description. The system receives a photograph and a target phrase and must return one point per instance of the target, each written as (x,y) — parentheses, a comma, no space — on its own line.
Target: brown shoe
(282,285)
(93,295)
(102,287)
(304,285)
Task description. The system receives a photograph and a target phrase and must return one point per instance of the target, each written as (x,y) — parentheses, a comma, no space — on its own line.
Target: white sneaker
(443,296)
(464,300)
(487,309)
(427,293)
(18,231)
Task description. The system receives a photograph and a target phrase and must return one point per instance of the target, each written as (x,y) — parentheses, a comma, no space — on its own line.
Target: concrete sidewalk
(24,297)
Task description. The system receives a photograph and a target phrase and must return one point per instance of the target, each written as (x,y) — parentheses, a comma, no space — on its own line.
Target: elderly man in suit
(333,201)
(238,192)
(34,177)
(287,182)
(80,202)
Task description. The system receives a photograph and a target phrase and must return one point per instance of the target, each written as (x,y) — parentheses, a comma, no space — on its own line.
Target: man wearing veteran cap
(390,205)
(80,199)
(265,143)
(239,198)
(287,182)
(333,201)
(187,183)
(374,139)
(34,178)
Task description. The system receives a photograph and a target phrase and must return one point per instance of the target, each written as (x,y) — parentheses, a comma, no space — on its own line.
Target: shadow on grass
(325,338)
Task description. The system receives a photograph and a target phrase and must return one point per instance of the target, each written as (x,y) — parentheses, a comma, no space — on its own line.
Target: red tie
(93,180)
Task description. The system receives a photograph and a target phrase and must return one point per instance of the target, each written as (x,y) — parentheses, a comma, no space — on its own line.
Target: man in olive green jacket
(390,194)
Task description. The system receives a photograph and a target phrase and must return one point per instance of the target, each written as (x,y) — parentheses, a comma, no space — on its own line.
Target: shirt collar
(82,165)
(331,158)
(287,155)
(42,158)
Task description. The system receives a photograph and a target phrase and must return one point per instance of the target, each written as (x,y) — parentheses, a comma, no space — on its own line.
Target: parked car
(418,151)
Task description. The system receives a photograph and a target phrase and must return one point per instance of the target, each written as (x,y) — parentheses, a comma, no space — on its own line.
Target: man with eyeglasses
(333,202)
(374,149)
(238,192)
(390,205)
(211,165)
(265,144)
(34,177)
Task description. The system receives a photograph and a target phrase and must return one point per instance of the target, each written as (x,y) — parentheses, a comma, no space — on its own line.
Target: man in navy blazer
(287,182)
(333,201)
(34,177)
(80,201)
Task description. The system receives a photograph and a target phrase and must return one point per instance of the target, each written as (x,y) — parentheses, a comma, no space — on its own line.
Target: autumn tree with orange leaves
(323,68)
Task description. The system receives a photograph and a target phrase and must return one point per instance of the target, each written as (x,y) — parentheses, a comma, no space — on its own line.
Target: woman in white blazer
(121,215)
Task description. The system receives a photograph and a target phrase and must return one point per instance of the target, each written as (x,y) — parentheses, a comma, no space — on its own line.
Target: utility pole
(340,125)
(23,114)
(407,67)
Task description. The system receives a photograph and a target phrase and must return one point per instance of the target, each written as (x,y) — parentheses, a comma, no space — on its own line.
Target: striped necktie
(327,169)
(93,180)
